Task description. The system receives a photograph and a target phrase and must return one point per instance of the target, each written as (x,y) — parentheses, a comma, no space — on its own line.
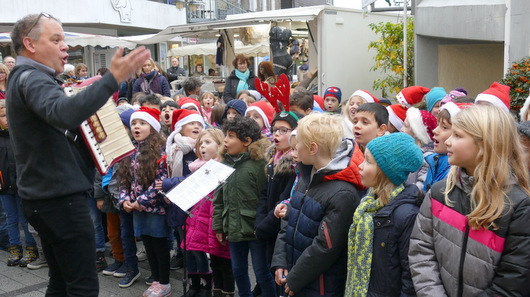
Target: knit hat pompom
(333,92)
(422,124)
(411,95)
(397,155)
(434,96)
(182,117)
(497,94)
(265,111)
(150,115)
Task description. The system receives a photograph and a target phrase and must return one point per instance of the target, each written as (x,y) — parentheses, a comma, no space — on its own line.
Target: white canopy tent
(81,39)
(211,49)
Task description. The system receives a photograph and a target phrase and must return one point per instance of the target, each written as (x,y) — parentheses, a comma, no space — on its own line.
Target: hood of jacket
(344,166)
(349,153)
(284,164)
(256,150)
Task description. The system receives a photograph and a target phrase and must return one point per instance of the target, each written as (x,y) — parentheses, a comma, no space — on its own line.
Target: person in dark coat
(151,81)
(378,240)
(175,71)
(240,79)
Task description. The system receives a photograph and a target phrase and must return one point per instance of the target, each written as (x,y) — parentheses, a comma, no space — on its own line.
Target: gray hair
(191,84)
(21,28)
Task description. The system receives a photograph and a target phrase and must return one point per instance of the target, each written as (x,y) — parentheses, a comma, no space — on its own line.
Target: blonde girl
(4,73)
(207,100)
(471,236)
(378,239)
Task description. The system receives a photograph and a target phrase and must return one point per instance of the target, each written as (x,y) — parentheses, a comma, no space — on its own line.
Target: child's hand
(127,206)
(136,206)
(280,210)
(99,204)
(158,185)
(221,238)
(279,276)
(166,200)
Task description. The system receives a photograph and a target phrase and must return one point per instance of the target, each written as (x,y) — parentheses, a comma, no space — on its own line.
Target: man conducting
(55,170)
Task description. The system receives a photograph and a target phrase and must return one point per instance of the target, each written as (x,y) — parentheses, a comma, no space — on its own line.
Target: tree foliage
(518,79)
(389,56)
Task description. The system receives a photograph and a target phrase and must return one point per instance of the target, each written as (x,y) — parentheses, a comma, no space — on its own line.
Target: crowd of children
(331,196)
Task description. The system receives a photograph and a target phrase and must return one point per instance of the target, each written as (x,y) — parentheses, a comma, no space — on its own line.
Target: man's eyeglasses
(42,14)
(282,130)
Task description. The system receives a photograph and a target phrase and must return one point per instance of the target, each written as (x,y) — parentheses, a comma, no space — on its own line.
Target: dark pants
(223,278)
(157,252)
(68,242)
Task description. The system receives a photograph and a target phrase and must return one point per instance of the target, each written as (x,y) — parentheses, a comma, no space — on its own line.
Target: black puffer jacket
(8,172)
(448,258)
(280,179)
(231,83)
(312,246)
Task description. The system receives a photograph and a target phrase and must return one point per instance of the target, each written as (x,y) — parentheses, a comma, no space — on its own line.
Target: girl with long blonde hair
(471,236)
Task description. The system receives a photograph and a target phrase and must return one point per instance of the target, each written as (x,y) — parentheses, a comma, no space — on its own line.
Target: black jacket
(8,173)
(173,73)
(280,179)
(48,163)
(390,274)
(231,83)
(312,246)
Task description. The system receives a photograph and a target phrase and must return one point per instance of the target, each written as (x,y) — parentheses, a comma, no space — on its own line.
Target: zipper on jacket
(460,291)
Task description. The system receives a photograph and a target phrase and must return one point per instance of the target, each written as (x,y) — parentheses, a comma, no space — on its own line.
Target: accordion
(104,133)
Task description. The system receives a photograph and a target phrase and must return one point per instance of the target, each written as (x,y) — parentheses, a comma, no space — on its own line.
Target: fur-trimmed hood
(256,149)
(284,165)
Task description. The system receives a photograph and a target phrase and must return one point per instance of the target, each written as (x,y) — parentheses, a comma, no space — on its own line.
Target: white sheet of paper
(196,186)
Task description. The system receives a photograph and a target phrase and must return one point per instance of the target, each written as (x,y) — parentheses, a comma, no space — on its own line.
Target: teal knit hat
(435,95)
(397,155)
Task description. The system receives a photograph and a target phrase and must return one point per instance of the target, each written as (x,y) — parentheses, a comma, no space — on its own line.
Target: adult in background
(239,79)
(4,73)
(199,71)
(175,71)
(55,172)
(9,62)
(151,81)
(191,86)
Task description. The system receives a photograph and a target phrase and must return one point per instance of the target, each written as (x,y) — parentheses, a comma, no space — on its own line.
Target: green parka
(235,204)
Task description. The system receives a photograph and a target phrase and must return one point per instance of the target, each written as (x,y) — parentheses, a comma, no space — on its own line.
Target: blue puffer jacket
(312,246)
(390,274)
(438,169)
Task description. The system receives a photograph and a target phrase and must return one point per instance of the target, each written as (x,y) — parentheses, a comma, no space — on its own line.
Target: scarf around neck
(150,83)
(360,243)
(243,77)
(176,147)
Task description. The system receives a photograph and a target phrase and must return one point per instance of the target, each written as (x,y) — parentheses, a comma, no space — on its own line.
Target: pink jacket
(199,233)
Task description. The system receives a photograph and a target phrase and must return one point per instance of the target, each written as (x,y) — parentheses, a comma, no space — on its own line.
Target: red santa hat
(265,111)
(397,113)
(186,102)
(422,124)
(369,98)
(497,94)
(319,100)
(182,117)
(412,95)
(454,108)
(150,115)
